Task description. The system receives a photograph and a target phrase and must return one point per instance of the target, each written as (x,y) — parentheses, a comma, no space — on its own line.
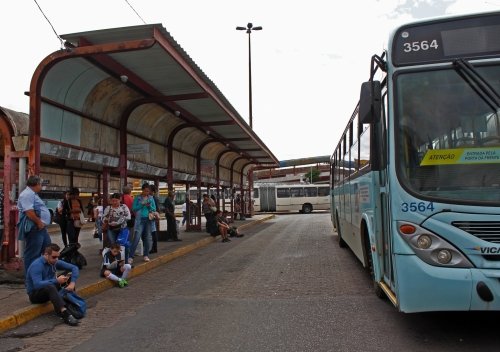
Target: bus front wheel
(376,287)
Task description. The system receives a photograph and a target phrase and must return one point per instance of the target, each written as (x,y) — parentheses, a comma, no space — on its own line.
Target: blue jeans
(34,245)
(142,230)
(112,236)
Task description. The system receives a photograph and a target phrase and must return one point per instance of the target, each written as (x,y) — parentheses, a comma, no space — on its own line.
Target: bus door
(385,247)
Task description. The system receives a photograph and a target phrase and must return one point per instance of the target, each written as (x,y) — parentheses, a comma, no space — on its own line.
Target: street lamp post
(249,28)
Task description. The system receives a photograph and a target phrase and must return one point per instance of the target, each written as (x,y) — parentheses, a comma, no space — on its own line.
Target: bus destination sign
(445,40)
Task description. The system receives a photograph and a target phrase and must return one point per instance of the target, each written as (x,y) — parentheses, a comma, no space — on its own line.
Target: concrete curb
(24,315)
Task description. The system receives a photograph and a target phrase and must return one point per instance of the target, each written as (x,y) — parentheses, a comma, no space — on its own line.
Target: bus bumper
(422,287)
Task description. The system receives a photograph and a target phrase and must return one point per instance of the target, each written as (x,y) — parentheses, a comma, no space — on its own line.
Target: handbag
(153,215)
(82,217)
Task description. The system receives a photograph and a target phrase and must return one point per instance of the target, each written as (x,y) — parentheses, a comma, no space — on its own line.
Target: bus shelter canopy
(131,98)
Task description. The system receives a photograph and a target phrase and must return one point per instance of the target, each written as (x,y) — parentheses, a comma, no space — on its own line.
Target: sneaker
(70,320)
(146,258)
(130,261)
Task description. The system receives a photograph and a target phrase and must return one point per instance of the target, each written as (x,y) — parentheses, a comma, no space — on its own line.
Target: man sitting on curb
(42,284)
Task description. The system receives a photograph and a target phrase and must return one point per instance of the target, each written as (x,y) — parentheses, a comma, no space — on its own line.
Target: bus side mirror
(370,102)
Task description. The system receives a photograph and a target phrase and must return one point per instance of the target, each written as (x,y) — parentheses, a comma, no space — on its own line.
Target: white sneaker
(130,261)
(146,258)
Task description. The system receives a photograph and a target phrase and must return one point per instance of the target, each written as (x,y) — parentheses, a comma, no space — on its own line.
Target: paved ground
(13,298)
(285,286)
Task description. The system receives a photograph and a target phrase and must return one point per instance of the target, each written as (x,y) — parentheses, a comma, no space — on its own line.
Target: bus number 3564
(414,207)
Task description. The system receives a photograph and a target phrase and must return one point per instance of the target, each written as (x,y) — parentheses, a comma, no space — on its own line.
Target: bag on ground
(70,254)
(75,304)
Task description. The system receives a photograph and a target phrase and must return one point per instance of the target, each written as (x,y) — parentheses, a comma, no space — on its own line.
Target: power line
(135,12)
(57,35)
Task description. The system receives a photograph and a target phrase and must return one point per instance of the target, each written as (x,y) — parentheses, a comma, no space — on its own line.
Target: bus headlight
(431,248)
(424,241)
(444,256)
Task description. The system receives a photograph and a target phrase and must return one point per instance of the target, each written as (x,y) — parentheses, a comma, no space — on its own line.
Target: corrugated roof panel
(162,70)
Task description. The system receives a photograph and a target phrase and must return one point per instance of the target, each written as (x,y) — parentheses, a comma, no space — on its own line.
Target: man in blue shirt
(34,217)
(42,283)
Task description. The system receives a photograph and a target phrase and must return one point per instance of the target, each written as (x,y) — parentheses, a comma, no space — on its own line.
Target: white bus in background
(287,197)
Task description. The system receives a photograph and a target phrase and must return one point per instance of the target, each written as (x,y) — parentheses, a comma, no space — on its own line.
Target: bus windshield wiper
(478,83)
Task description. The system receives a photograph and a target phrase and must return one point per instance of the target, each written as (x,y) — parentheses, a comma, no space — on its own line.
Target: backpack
(122,238)
(75,304)
(70,254)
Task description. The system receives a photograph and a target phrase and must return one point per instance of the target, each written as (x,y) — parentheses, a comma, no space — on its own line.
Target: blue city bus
(415,177)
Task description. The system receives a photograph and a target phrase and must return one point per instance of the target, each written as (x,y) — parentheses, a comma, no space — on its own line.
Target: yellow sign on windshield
(461,156)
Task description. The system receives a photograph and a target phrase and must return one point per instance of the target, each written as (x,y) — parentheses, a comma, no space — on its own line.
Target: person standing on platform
(170,216)
(142,206)
(74,208)
(184,211)
(115,218)
(128,200)
(63,218)
(34,216)
(156,222)
(98,213)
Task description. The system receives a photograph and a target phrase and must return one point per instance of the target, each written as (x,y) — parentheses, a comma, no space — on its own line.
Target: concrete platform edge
(24,315)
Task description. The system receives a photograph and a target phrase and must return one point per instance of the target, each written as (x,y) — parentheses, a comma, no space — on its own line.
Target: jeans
(48,293)
(142,230)
(98,224)
(112,236)
(34,245)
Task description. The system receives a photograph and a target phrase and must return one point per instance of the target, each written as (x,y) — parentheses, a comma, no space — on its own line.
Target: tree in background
(313,175)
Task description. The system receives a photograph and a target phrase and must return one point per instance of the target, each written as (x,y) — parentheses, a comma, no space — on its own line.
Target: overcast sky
(307,63)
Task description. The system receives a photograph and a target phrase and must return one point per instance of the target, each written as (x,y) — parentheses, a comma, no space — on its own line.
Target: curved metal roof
(138,80)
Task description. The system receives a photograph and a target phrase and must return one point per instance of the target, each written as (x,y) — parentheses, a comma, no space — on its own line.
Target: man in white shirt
(34,217)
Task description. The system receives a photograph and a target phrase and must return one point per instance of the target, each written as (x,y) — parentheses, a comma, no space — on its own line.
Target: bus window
(256,193)
(323,191)
(296,192)
(310,192)
(283,192)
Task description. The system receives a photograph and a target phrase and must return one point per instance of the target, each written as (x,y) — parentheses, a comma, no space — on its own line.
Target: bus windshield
(448,135)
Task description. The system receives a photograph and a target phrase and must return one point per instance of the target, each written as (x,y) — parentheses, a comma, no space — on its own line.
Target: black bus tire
(376,287)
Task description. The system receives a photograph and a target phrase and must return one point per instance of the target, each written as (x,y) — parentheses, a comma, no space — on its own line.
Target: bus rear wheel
(307,208)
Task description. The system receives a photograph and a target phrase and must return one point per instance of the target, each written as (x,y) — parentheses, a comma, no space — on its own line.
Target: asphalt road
(285,286)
